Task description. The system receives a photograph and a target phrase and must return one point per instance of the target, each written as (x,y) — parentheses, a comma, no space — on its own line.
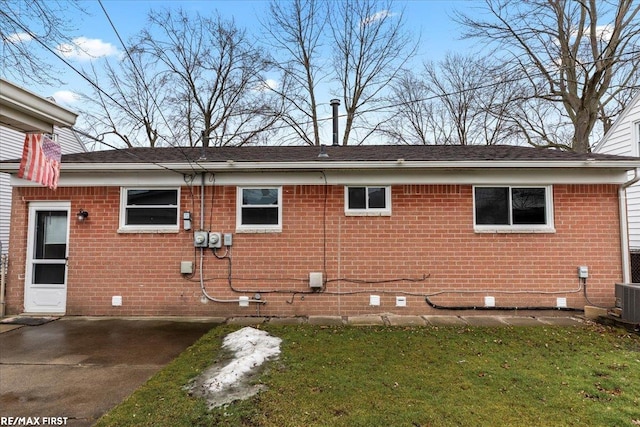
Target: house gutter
(230,165)
(28,112)
(624,226)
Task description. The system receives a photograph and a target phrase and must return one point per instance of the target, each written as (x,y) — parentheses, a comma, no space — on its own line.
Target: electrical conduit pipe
(202,288)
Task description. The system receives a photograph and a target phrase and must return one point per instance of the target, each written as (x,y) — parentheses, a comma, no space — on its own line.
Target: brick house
(294,231)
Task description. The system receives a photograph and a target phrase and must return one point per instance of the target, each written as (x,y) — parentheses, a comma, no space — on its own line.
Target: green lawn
(413,376)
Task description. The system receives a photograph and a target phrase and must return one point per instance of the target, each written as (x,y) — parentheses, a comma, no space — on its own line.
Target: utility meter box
(200,239)
(583,272)
(215,240)
(315,281)
(186,267)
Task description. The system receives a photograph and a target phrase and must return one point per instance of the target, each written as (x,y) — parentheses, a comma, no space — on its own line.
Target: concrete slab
(326,320)
(437,320)
(366,320)
(398,320)
(284,321)
(592,313)
(80,368)
(246,321)
(6,328)
(561,321)
(521,321)
(490,321)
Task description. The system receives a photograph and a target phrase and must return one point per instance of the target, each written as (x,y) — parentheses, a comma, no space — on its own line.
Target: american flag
(40,160)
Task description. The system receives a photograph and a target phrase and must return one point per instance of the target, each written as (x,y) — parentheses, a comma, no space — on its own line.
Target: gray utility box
(628,299)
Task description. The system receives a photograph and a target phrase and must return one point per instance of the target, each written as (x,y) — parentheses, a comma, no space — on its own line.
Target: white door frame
(45,298)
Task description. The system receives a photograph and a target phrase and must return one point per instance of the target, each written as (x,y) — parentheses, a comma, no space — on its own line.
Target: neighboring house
(22,111)
(624,139)
(362,229)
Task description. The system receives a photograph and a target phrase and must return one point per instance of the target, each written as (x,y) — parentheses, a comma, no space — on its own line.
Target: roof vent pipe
(335,103)
(323,151)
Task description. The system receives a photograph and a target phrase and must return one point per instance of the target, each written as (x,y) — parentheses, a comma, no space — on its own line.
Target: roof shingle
(454,153)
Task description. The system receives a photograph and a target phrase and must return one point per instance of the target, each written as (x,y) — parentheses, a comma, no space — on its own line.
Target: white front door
(47,252)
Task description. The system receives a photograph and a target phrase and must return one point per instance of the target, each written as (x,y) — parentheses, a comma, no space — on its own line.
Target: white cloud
(66,97)
(377,17)
(271,83)
(265,85)
(603,33)
(84,49)
(18,38)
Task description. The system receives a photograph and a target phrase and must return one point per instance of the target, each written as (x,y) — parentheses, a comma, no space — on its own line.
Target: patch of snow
(250,348)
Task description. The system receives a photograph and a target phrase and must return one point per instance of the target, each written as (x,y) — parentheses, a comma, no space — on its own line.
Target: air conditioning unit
(628,300)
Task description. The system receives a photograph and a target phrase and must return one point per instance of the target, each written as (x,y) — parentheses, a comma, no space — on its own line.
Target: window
(143,209)
(259,209)
(513,208)
(367,200)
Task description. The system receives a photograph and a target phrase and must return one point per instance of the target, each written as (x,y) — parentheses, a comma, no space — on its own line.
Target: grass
(417,376)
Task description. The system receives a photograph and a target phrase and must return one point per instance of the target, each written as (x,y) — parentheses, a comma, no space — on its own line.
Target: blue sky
(428,18)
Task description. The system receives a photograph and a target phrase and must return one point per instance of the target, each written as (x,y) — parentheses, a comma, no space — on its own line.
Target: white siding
(11,142)
(5,211)
(10,148)
(624,139)
(633,212)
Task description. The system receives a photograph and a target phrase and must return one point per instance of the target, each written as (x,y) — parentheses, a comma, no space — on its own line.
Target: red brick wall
(429,234)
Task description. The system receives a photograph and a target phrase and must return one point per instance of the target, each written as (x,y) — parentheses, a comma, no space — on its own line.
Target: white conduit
(201,268)
(4,262)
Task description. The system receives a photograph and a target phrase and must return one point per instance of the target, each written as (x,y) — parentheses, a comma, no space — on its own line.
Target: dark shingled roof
(452,153)
(292,154)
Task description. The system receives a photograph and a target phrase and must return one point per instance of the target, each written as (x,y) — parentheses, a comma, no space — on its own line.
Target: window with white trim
(259,209)
(369,200)
(149,209)
(513,208)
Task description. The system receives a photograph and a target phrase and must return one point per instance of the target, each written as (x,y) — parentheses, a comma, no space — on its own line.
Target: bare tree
(371,47)
(577,54)
(27,29)
(214,76)
(614,102)
(457,83)
(367,44)
(295,33)
(411,122)
(459,100)
(131,108)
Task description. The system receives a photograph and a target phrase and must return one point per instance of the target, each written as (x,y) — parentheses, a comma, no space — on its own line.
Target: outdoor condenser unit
(628,299)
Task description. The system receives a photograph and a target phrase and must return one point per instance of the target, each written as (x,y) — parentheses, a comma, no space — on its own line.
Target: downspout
(624,226)
(3,271)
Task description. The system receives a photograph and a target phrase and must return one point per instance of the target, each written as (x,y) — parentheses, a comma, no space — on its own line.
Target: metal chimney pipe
(335,103)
